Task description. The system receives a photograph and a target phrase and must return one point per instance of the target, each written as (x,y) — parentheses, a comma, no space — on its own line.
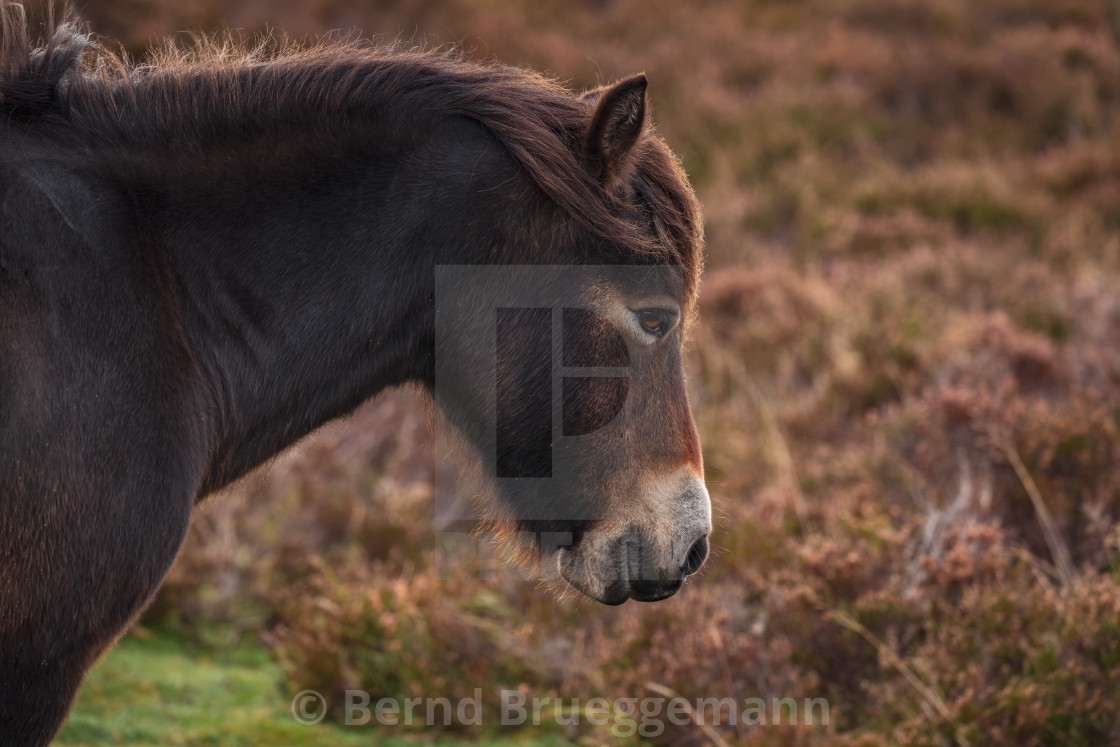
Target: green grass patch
(156,689)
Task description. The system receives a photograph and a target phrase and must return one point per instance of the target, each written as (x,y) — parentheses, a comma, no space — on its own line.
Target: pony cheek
(592,402)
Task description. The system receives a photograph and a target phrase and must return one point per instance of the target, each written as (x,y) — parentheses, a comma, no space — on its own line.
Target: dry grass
(906,377)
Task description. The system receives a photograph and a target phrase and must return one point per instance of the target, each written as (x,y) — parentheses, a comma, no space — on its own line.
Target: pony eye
(653,321)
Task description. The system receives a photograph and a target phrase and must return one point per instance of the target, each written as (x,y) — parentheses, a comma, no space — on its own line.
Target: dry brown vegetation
(906,378)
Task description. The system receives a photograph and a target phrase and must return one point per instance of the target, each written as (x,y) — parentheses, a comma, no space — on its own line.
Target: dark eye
(654,321)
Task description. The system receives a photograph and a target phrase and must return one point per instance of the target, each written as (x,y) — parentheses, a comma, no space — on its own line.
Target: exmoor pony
(205,257)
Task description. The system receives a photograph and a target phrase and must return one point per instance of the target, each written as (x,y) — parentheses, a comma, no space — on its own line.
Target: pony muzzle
(614,561)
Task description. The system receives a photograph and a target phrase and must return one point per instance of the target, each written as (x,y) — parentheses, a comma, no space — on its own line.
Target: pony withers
(204,258)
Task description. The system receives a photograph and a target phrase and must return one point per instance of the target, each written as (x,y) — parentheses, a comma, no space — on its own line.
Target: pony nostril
(697,554)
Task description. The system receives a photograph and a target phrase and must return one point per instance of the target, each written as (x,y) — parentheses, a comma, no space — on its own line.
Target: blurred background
(906,379)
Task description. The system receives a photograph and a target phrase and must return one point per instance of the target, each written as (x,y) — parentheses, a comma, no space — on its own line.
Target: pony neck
(304,286)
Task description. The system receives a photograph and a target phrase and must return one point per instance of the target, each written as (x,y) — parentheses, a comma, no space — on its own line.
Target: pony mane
(70,87)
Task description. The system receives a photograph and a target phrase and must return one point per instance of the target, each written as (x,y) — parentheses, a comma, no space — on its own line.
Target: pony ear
(620,115)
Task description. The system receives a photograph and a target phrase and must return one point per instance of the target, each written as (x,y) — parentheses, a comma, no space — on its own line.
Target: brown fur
(204,258)
(81,90)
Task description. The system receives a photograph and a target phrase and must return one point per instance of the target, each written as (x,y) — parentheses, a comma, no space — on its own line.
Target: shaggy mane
(69,87)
